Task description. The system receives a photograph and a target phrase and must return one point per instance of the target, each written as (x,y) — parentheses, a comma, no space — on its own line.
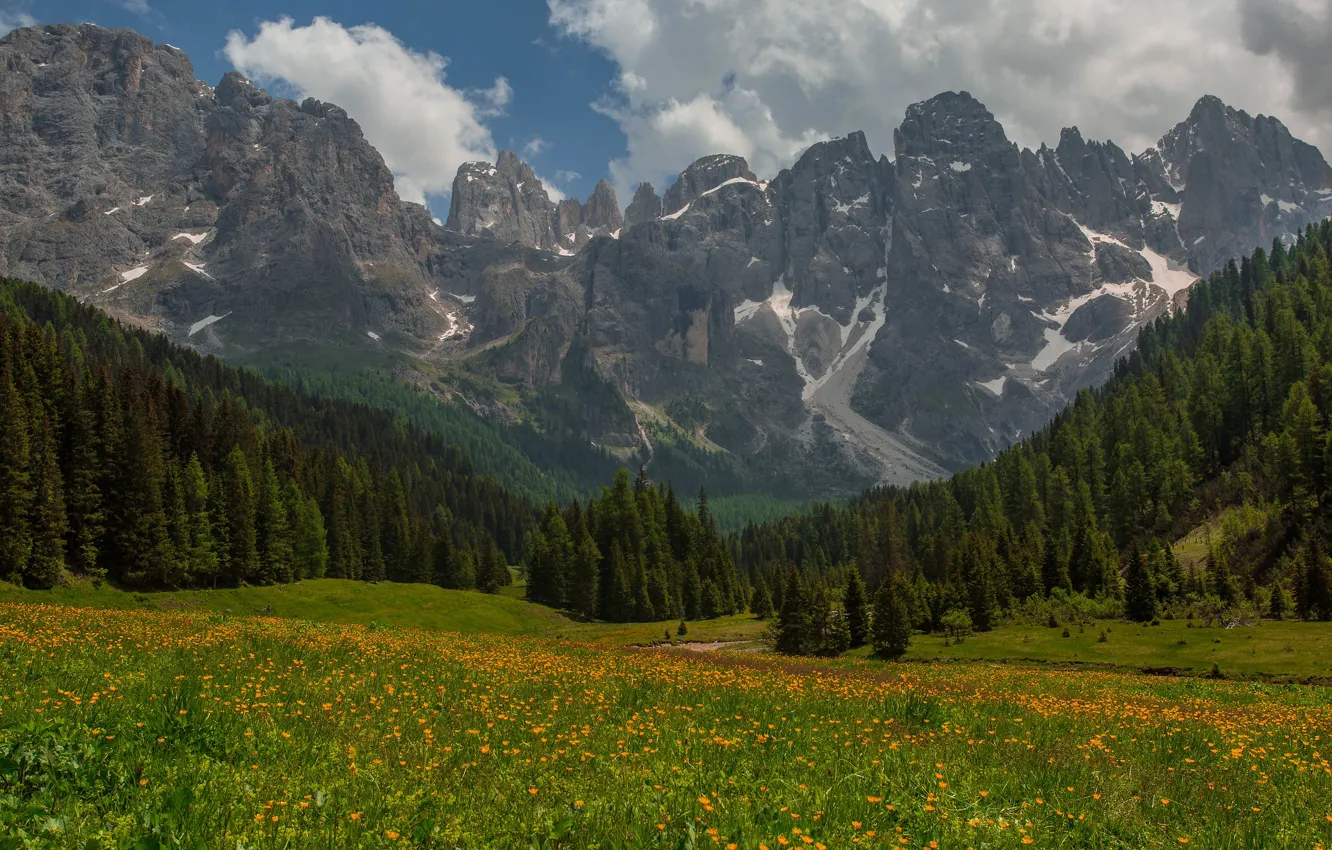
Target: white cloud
(534,147)
(10,21)
(566,177)
(763,78)
(422,127)
(138,7)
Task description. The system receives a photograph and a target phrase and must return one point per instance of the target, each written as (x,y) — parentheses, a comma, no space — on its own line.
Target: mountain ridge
(853,320)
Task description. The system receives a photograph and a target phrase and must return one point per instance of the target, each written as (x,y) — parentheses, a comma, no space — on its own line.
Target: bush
(682,630)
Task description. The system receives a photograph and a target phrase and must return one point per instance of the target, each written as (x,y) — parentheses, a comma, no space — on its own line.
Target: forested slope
(127,456)
(1221,419)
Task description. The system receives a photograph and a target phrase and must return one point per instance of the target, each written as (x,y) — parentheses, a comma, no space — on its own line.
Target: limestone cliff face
(222,217)
(507,202)
(853,319)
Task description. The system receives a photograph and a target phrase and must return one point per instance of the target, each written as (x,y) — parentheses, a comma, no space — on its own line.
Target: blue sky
(636,90)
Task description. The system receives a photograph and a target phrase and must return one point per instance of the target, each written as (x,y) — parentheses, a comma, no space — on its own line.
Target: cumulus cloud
(423,127)
(764,78)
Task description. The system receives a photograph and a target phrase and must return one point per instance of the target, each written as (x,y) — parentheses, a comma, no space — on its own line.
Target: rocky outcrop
(853,320)
(645,207)
(224,217)
(506,201)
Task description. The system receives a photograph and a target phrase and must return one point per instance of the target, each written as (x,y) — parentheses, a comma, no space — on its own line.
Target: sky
(635,90)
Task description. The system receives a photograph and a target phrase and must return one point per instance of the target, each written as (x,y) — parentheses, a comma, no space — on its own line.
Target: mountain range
(852,320)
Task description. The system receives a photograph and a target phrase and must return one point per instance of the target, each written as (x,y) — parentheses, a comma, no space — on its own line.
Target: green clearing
(1285,649)
(144,730)
(418,606)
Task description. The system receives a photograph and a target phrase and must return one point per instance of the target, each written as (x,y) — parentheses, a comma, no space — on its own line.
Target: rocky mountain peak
(504,200)
(952,124)
(704,174)
(602,211)
(645,207)
(236,90)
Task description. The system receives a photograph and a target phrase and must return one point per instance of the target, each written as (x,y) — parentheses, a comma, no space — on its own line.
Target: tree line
(127,457)
(634,554)
(1220,422)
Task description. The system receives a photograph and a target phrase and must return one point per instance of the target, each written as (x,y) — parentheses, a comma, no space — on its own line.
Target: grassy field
(1293,649)
(1288,650)
(144,729)
(419,606)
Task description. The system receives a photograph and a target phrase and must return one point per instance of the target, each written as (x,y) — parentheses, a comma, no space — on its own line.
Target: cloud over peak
(764,78)
(423,127)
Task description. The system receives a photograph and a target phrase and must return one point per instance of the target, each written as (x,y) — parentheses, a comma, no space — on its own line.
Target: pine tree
(15,490)
(856,608)
(584,594)
(977,566)
(550,561)
(309,538)
(47,518)
(200,557)
(272,530)
(444,557)
(493,573)
(795,623)
(238,508)
(760,604)
(1316,592)
(396,542)
(140,545)
(891,632)
(1140,593)
(83,496)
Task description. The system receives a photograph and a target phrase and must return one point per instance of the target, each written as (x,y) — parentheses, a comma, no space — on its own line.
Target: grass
(1284,649)
(1279,650)
(419,606)
(150,729)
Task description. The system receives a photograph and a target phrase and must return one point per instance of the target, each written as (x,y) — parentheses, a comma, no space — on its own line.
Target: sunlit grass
(198,730)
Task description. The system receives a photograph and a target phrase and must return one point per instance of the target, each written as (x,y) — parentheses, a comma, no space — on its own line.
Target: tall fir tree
(1140,604)
(856,607)
(891,624)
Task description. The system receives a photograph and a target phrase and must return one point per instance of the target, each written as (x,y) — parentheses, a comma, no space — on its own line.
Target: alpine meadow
(980,497)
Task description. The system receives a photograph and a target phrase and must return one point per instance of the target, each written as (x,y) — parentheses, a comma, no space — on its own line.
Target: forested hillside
(126,456)
(634,555)
(1219,424)
(539,466)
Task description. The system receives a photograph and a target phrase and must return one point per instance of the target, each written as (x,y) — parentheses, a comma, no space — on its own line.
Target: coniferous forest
(634,555)
(1220,420)
(127,457)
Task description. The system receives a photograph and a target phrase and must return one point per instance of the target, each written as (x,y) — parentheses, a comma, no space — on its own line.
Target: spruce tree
(493,572)
(15,490)
(794,623)
(760,604)
(1140,592)
(891,625)
(584,595)
(1316,592)
(309,538)
(238,508)
(200,556)
(444,557)
(272,530)
(856,608)
(83,496)
(47,518)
